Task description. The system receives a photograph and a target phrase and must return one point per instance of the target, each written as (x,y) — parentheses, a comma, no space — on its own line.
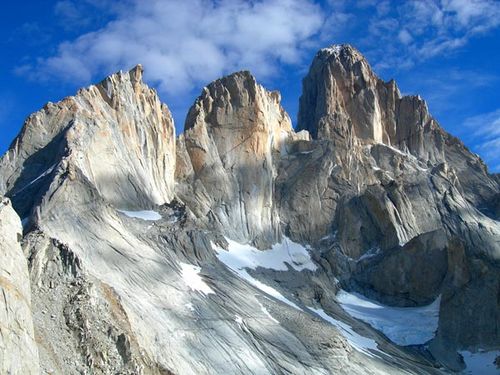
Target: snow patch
(238,319)
(335,49)
(190,275)
(374,251)
(238,257)
(147,215)
(361,343)
(331,236)
(402,325)
(481,362)
(277,258)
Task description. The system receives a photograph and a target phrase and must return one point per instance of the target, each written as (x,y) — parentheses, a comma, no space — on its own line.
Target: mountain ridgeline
(385,205)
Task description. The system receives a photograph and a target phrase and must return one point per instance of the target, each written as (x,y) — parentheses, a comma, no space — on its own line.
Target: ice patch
(481,362)
(190,275)
(402,325)
(147,215)
(361,343)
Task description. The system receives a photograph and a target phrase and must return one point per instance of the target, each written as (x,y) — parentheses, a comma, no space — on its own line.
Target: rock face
(407,201)
(18,349)
(235,134)
(117,134)
(344,101)
(385,202)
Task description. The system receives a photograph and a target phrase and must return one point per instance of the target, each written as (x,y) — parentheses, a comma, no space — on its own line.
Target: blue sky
(448,51)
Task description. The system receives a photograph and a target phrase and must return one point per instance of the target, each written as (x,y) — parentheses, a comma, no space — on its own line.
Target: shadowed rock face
(389,204)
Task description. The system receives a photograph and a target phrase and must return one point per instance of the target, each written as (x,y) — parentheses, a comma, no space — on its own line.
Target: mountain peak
(119,121)
(342,84)
(136,73)
(341,50)
(241,80)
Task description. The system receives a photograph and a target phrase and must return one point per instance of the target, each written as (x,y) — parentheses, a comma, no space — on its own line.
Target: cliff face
(343,100)
(117,134)
(234,136)
(384,202)
(406,200)
(18,349)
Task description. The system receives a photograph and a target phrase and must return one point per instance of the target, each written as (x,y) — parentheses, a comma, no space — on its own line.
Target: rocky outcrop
(344,101)
(117,134)
(234,136)
(111,292)
(409,208)
(18,349)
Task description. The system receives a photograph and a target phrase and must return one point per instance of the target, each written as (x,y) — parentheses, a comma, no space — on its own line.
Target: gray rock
(402,193)
(342,97)
(18,348)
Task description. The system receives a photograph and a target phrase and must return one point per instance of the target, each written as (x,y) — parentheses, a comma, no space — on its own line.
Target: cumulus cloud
(184,42)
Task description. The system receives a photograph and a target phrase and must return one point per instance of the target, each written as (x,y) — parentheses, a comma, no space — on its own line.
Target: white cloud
(472,15)
(484,132)
(427,28)
(485,125)
(404,36)
(183,43)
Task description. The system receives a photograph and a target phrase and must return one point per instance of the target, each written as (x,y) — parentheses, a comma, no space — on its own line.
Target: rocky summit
(367,241)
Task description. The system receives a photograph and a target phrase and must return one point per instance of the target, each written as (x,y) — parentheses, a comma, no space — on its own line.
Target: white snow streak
(361,343)
(264,310)
(35,180)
